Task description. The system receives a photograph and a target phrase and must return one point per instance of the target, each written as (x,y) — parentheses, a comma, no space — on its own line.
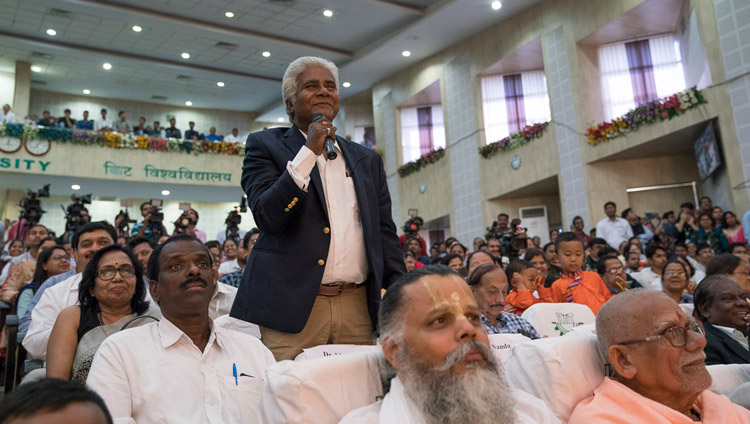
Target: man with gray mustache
(437,359)
(656,352)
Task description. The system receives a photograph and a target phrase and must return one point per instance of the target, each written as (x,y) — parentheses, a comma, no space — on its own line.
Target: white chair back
(687,308)
(324,351)
(501,344)
(557,319)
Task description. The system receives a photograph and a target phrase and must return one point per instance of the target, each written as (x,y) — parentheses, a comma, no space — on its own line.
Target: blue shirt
(510,324)
(746,225)
(215,137)
(85,125)
(23,325)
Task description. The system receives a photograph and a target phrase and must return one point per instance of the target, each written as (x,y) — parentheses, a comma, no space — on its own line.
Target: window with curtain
(422,130)
(635,72)
(510,102)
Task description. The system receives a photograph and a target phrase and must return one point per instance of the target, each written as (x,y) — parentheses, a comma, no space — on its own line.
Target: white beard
(480,395)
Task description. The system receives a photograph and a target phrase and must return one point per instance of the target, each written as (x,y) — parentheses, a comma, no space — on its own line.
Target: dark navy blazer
(285,269)
(723,349)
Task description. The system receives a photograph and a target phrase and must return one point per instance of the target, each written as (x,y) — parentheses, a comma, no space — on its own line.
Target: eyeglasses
(59,258)
(615,270)
(108,272)
(673,272)
(676,335)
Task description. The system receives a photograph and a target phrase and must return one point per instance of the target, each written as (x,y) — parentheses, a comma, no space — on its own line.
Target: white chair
(557,319)
(320,391)
(687,308)
(324,351)
(501,344)
(234,324)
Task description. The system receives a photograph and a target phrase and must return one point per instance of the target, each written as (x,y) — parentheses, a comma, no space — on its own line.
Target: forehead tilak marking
(455,297)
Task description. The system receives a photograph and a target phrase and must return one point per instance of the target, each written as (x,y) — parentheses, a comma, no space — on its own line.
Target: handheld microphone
(329,149)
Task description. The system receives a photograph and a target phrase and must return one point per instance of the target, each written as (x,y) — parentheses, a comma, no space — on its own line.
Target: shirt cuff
(301,166)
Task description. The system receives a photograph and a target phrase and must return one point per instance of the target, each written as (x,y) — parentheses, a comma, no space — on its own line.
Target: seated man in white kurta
(434,342)
(183,369)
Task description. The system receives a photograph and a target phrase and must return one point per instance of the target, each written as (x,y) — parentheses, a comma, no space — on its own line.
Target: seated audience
(415,247)
(489,284)
(141,128)
(218,373)
(233,137)
(121,125)
(633,262)
(47,120)
(155,130)
(141,248)
(613,275)
(723,307)
(736,267)
(732,228)
(458,249)
(553,261)
(192,134)
(740,249)
(410,262)
(103,124)
(110,296)
(229,247)
(52,261)
(85,123)
(655,351)
(246,247)
(539,260)
(524,280)
(7,116)
(455,263)
(710,234)
(14,248)
(675,281)
(577,286)
(438,364)
(172,131)
(53,401)
(212,135)
(23,271)
(650,276)
(66,121)
(477,258)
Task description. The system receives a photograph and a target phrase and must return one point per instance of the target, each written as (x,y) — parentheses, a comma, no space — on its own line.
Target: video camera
(233,221)
(512,240)
(123,221)
(31,207)
(412,226)
(184,220)
(73,212)
(157,215)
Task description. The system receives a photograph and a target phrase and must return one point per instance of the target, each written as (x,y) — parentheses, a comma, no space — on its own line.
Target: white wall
(7,88)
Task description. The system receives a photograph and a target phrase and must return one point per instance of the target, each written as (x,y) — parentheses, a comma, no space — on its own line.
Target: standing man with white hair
(328,244)
(7,116)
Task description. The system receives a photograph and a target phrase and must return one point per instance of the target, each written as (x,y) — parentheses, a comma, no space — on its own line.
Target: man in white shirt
(650,277)
(103,124)
(90,238)
(613,228)
(183,369)
(7,116)
(439,363)
(233,137)
(243,251)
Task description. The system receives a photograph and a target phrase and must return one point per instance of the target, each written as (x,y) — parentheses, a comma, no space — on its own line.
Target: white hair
(289,81)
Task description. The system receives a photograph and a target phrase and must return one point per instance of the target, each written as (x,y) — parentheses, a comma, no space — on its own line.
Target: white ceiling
(364,38)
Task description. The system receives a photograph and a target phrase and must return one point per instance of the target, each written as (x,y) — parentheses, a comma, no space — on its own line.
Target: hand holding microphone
(328,147)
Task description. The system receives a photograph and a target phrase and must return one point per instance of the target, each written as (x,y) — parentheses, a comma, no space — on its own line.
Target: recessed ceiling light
(220,84)
(107,66)
(36,69)
(229,14)
(266,54)
(496,5)
(51,32)
(279,119)
(328,13)
(165,192)
(347,84)
(75,187)
(86,91)
(406,53)
(185,55)
(188,103)
(136,28)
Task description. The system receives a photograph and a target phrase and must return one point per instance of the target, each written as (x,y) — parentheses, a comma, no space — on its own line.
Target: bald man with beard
(656,352)
(438,361)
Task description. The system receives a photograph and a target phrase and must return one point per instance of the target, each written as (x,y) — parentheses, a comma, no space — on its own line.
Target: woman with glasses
(674,281)
(52,261)
(112,297)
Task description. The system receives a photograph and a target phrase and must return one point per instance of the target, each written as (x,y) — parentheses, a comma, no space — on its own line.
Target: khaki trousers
(341,319)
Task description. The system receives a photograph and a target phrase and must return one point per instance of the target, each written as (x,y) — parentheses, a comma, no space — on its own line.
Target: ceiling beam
(59,45)
(208,26)
(420,11)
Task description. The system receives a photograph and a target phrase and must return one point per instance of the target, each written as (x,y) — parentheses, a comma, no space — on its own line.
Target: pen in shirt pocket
(234,373)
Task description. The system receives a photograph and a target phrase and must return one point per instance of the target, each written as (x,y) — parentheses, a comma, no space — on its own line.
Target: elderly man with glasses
(656,353)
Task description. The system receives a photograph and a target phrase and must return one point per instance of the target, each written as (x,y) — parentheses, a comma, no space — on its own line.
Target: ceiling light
(328,13)
(347,84)
(220,84)
(406,53)
(229,14)
(279,119)
(51,32)
(75,187)
(188,103)
(165,193)
(86,91)
(266,54)
(36,69)
(136,28)
(107,66)
(496,5)
(185,55)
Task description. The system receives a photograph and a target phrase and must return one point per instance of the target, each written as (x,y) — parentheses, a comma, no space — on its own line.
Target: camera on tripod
(412,226)
(184,220)
(73,216)
(233,221)
(157,215)
(31,207)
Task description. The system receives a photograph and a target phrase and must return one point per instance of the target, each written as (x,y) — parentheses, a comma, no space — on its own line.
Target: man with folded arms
(438,359)
(656,352)
(182,369)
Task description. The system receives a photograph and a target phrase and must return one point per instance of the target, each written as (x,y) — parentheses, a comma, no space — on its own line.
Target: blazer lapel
(294,140)
(732,344)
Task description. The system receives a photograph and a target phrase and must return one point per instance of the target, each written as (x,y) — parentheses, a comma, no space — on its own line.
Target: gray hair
(289,81)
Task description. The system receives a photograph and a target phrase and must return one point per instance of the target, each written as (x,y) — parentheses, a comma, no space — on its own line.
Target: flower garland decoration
(426,159)
(14,130)
(129,141)
(156,143)
(173,144)
(113,140)
(514,140)
(30,131)
(646,114)
(2,128)
(142,142)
